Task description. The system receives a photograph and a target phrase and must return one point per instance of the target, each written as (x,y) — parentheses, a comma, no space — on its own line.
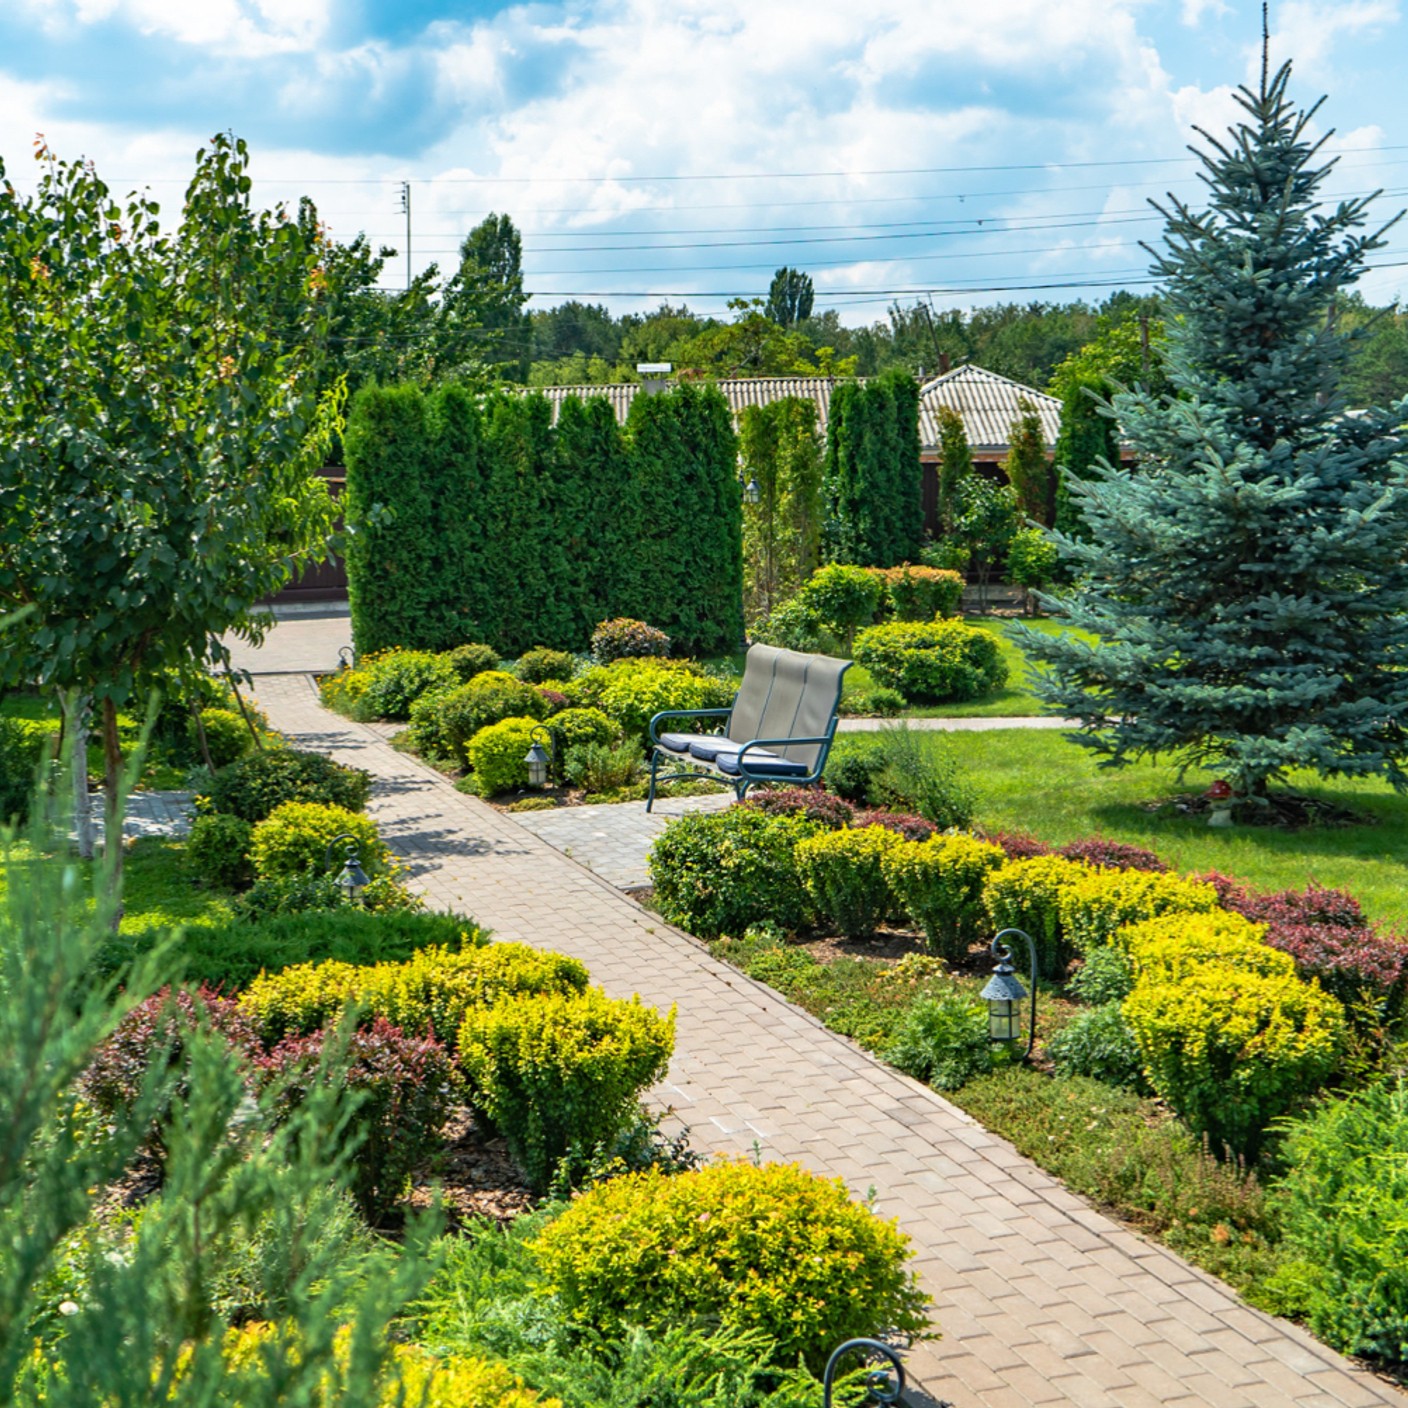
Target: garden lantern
(538,758)
(353,879)
(751,492)
(1005,994)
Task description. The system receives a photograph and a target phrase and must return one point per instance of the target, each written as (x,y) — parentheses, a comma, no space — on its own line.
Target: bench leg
(654,763)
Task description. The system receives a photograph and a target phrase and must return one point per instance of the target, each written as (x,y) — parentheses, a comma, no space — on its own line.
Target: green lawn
(1036,781)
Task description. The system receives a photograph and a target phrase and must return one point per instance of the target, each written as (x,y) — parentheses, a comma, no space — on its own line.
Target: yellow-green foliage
(1026,895)
(430,992)
(774,1249)
(497,754)
(940,883)
(559,1074)
(1095,906)
(294,838)
(1167,948)
(635,693)
(842,871)
(1232,1049)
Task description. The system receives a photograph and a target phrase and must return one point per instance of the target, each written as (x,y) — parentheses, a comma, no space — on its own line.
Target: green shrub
(940,884)
(844,875)
(1098,1043)
(624,639)
(720,873)
(228,957)
(309,893)
(1104,975)
(573,727)
(851,768)
(920,774)
(252,787)
(467,661)
(1095,906)
(633,695)
(601,767)
(443,724)
(933,661)
(793,625)
(226,735)
(294,838)
(1026,895)
(882,703)
(948,556)
(559,1075)
(922,593)
(397,678)
(22,745)
(842,598)
(540,665)
(943,1041)
(217,850)
(1342,1204)
(498,754)
(1230,1049)
(430,991)
(1031,559)
(772,1249)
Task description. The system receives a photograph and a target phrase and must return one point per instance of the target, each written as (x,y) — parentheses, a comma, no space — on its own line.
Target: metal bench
(779,728)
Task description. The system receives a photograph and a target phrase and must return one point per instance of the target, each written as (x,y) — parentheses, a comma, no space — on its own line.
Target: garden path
(1041,1299)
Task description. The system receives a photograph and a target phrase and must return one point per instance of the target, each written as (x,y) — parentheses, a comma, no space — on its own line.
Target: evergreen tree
(955,467)
(1026,466)
(1249,584)
(790,297)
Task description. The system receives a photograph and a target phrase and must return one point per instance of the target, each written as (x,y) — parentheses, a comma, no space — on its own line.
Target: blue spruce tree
(1248,582)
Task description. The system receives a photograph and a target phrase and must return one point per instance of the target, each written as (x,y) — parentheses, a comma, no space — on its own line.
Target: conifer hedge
(475,518)
(874,499)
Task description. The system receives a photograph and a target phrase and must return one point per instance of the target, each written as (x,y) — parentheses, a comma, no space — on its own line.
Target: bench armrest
(687,714)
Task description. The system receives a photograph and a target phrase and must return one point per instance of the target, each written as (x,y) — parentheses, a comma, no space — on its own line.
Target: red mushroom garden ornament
(1221,795)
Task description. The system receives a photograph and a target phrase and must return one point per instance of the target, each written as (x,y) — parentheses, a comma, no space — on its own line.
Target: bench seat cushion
(760,761)
(681,742)
(709,750)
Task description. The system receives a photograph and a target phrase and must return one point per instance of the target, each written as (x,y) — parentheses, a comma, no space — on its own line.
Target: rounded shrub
(1103,975)
(851,769)
(294,838)
(601,768)
(943,1040)
(572,728)
(539,665)
(774,1250)
(443,723)
(845,877)
(623,639)
(905,825)
(559,1075)
(1165,949)
(873,703)
(474,659)
(940,884)
(217,850)
(1112,855)
(1026,895)
(1095,906)
(498,754)
(252,787)
(633,696)
(719,873)
(1231,1049)
(806,802)
(922,593)
(1098,1043)
(226,735)
(933,661)
(397,678)
(842,598)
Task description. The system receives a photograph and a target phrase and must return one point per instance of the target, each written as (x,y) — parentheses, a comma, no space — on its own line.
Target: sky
(965,152)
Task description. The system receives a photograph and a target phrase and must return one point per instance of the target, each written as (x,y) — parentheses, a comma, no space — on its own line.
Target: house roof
(987,403)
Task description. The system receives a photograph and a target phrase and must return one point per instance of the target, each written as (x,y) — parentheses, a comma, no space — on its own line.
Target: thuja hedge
(475,518)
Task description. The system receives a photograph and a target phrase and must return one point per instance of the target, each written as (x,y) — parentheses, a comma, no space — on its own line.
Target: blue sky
(984,152)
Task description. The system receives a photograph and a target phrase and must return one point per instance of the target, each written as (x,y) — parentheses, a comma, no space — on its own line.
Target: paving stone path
(1040,1299)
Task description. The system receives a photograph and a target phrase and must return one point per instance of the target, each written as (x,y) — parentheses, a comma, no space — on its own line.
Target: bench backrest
(786,694)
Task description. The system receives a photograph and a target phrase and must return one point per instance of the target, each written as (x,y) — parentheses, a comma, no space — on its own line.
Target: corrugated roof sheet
(986,402)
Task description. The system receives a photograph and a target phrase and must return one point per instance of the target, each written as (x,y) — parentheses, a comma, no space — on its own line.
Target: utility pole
(406,206)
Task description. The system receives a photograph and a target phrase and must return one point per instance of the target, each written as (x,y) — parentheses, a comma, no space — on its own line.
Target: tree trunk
(244,713)
(112,793)
(200,734)
(76,722)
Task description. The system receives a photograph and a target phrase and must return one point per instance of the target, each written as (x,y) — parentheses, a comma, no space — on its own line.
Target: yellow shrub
(1232,1049)
(842,871)
(294,840)
(1097,905)
(940,883)
(1167,948)
(1026,895)
(431,992)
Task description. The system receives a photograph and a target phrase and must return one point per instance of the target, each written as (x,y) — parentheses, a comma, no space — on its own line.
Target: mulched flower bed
(1290,810)
(477,1177)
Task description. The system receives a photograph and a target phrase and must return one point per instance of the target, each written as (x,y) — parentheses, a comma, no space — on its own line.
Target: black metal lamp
(353,880)
(751,492)
(1005,995)
(539,758)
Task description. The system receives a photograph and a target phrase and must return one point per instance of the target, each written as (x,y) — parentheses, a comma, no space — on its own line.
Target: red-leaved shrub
(912,828)
(625,639)
(557,700)
(1113,855)
(1018,845)
(407,1085)
(808,802)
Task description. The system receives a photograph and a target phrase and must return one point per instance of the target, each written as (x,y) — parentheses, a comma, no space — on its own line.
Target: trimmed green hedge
(507,529)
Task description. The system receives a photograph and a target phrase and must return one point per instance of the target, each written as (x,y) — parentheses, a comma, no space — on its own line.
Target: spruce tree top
(1247,580)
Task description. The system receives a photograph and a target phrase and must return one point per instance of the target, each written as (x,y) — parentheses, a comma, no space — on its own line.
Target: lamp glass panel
(1004,1020)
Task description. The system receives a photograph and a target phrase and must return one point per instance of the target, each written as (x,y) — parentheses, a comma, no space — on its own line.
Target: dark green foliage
(444,721)
(470,660)
(1027,468)
(955,466)
(602,767)
(1097,1043)
(909,771)
(289,894)
(932,661)
(851,766)
(943,1041)
(790,297)
(1086,438)
(625,639)
(541,664)
(480,519)
(252,787)
(1104,976)
(872,486)
(1249,586)
(217,850)
(21,747)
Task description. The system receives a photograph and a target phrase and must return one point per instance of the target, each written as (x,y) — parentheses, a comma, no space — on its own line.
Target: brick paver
(1041,1299)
